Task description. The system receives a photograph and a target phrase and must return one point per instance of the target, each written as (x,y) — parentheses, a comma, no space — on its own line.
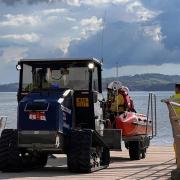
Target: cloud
(167,20)
(73,2)
(75,27)
(13,54)
(87,27)
(70,19)
(19,20)
(154,32)
(91,25)
(22,37)
(95,3)
(142,13)
(14,2)
(64,44)
(76,3)
(53,11)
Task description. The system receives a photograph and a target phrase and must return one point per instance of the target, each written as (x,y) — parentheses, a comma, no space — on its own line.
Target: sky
(141,36)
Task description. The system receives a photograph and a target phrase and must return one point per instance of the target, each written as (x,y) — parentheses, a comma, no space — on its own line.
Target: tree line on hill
(141,82)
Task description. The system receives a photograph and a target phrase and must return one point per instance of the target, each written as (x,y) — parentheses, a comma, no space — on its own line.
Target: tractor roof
(61,60)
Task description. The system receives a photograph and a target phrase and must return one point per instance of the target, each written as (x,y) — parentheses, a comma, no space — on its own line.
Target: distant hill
(9,87)
(147,82)
(142,82)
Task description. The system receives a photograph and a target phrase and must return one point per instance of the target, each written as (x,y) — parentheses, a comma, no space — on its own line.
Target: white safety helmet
(115,85)
(126,89)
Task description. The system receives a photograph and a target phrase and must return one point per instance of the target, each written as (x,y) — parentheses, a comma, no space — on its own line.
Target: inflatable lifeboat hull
(133,124)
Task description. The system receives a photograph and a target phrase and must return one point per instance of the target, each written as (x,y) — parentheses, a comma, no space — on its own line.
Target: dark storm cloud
(168,20)
(166,5)
(128,44)
(125,43)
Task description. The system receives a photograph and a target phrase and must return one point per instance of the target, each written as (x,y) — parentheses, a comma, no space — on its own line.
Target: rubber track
(9,155)
(79,152)
(73,152)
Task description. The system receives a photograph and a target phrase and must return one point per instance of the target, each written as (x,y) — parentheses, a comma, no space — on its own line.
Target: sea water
(8,107)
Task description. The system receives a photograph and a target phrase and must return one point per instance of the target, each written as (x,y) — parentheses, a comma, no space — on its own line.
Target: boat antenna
(117,75)
(117,70)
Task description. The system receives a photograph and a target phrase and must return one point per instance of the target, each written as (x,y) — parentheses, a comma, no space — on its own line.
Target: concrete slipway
(158,165)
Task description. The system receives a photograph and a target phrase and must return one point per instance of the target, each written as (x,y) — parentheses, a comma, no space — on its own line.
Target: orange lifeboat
(133,124)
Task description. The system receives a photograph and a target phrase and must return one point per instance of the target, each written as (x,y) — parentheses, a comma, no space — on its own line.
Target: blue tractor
(59,111)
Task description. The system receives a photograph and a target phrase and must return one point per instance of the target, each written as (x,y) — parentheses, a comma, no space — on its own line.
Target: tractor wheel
(134,150)
(10,159)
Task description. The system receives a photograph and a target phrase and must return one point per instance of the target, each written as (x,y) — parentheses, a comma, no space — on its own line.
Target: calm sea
(8,107)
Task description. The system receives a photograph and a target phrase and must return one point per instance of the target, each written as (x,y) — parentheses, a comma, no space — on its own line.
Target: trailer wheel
(134,150)
(10,159)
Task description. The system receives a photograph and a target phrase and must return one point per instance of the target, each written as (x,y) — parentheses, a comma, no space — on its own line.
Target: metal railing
(172,105)
(152,114)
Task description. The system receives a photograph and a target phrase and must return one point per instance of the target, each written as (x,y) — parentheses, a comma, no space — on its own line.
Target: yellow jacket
(119,104)
(176,97)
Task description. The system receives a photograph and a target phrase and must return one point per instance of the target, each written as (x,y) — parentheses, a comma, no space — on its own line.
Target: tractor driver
(39,80)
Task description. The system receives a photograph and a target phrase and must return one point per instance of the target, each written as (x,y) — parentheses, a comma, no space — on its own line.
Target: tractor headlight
(91,66)
(18,67)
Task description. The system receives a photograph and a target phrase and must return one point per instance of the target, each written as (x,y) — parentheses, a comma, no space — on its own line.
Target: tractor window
(27,78)
(95,79)
(56,77)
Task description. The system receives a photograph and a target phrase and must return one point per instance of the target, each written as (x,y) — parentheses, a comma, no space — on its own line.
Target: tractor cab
(59,74)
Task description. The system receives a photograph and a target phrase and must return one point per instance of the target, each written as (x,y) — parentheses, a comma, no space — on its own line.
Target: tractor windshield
(37,76)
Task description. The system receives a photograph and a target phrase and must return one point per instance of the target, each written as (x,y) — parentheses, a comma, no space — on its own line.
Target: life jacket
(176,98)
(121,102)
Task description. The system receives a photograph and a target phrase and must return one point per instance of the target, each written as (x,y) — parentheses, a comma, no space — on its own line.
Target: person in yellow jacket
(176,98)
(118,105)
